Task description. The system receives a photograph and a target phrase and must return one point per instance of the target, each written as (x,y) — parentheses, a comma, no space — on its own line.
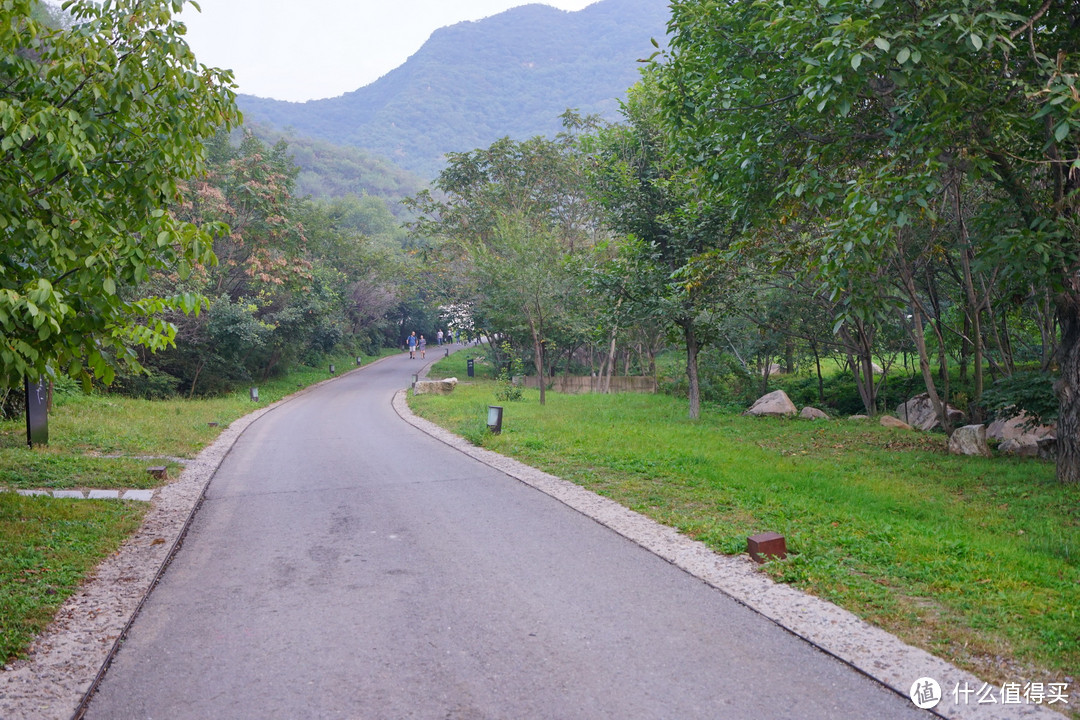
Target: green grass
(48,545)
(976,560)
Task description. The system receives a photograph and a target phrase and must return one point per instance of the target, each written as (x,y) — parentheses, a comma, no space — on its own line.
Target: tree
(98,123)
(522,275)
(875,121)
(647,194)
(510,216)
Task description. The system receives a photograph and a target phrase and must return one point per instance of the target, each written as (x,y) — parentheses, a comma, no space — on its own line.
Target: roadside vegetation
(98,441)
(975,560)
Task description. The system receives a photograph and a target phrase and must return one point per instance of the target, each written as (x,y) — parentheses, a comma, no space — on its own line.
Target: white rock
(969,440)
(775,404)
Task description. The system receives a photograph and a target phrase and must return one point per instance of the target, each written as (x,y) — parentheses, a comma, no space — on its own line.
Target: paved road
(345,565)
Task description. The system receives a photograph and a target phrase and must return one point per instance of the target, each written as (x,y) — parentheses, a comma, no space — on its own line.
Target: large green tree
(509,216)
(871,124)
(648,193)
(99,120)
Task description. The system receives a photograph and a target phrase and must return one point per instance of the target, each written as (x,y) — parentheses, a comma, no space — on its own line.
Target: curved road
(345,565)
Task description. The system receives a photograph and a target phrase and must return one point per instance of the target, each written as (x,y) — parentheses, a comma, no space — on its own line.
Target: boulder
(773,369)
(1016,439)
(812,413)
(1024,446)
(859,417)
(434,387)
(918,412)
(891,422)
(775,404)
(969,440)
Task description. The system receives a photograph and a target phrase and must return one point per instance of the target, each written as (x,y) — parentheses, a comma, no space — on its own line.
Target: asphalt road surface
(345,565)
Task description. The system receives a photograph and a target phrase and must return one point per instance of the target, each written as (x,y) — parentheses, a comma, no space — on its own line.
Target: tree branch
(1034,18)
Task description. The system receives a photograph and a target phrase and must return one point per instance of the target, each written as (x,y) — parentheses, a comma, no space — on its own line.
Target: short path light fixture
(331,368)
(494,419)
(359,361)
(766,546)
(447,353)
(254,394)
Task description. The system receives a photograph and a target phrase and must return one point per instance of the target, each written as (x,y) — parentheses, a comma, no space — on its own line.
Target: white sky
(290,50)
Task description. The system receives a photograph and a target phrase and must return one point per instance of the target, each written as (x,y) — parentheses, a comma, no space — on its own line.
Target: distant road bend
(345,565)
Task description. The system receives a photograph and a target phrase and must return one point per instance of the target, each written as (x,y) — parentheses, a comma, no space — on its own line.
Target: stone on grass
(918,412)
(892,422)
(775,404)
(812,413)
(969,440)
(434,387)
(1015,438)
(858,417)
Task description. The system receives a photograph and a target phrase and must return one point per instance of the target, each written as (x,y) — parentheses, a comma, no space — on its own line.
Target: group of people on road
(419,344)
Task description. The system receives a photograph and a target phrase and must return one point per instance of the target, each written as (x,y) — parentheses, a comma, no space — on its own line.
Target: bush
(152,385)
(1030,392)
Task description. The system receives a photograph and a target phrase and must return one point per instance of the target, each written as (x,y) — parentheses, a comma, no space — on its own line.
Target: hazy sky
(292,50)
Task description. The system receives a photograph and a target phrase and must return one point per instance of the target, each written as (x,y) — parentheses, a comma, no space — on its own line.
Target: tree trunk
(610,361)
(538,357)
(820,379)
(919,336)
(194,380)
(692,368)
(974,304)
(1068,393)
(859,350)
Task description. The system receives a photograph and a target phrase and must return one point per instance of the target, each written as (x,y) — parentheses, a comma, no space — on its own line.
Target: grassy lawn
(976,560)
(48,545)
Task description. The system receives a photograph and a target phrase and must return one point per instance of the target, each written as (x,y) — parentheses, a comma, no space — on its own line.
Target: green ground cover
(976,560)
(48,545)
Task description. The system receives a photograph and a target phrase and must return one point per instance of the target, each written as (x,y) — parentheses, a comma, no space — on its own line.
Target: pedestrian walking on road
(412,345)
(439,337)
(423,346)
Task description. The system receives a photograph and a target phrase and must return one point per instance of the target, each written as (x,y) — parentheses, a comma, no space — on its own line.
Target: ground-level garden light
(494,418)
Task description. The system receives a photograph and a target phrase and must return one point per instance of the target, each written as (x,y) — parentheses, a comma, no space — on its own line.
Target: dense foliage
(100,118)
(294,280)
(914,165)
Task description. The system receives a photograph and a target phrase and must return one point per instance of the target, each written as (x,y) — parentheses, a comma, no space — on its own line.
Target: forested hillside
(328,171)
(471,83)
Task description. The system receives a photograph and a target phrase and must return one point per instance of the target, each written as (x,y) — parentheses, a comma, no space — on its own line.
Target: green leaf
(882,44)
(976,41)
(856,61)
(1062,130)
(109,285)
(903,56)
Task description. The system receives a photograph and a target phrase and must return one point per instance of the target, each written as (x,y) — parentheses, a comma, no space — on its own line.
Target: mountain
(331,171)
(471,83)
